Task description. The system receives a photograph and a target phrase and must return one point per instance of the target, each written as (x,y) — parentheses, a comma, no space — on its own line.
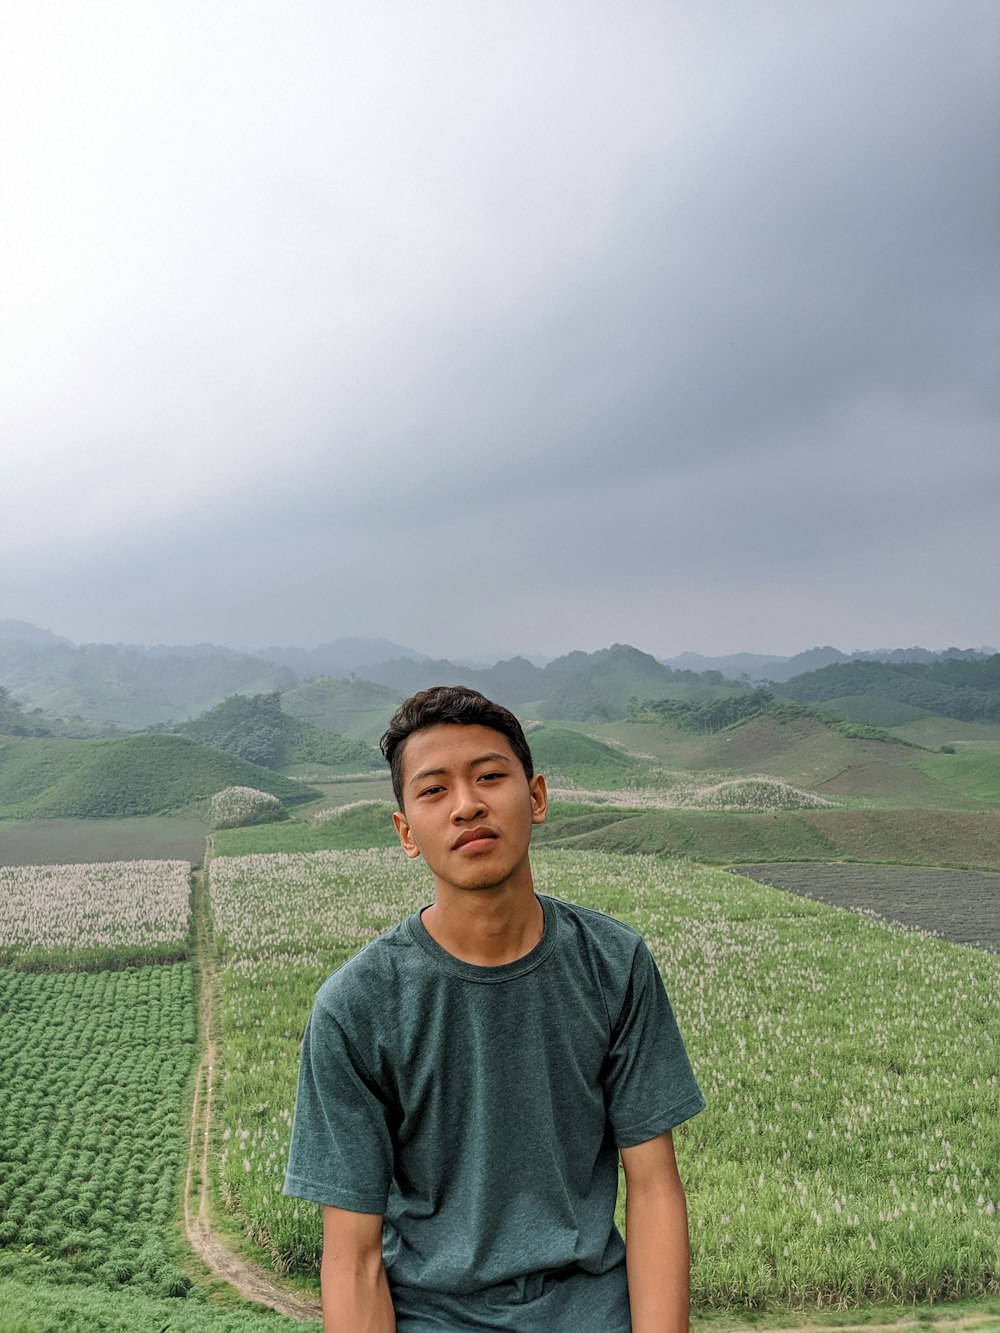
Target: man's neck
(486,927)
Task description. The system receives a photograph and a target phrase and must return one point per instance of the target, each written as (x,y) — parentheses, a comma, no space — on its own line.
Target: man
(469,1078)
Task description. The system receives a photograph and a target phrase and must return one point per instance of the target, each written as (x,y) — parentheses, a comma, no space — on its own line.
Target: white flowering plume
(235,806)
(115,905)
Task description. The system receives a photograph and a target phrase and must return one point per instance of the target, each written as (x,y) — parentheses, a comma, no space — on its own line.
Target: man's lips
(475,839)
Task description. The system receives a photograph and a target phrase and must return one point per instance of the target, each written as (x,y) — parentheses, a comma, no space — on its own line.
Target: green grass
(913,837)
(135,775)
(933,732)
(363,825)
(48,1307)
(72,841)
(874,711)
(842,1059)
(560,752)
(358,708)
(95,1069)
(972,773)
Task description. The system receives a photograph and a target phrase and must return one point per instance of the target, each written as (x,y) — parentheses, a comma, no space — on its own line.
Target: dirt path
(251,1281)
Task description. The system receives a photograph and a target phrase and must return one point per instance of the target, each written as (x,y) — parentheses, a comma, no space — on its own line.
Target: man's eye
(488,777)
(431,791)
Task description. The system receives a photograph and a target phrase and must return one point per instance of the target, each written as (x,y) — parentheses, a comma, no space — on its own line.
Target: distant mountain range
(132,687)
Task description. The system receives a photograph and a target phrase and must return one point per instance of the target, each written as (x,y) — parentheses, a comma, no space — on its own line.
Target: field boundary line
(250,1280)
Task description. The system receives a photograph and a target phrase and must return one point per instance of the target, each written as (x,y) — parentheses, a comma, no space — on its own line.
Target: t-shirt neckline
(503,971)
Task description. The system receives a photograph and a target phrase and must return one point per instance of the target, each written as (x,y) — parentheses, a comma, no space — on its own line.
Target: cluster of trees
(255,727)
(963,688)
(250,726)
(704,714)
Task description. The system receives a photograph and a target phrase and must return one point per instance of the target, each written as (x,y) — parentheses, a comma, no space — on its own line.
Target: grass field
(910,837)
(972,773)
(49,1307)
(848,1152)
(809,755)
(71,841)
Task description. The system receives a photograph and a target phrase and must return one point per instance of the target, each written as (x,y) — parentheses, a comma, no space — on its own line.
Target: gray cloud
(517,329)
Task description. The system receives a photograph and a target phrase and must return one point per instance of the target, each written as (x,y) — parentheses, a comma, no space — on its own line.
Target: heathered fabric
(480,1110)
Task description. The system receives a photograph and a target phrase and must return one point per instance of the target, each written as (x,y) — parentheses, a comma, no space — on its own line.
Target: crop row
(94,1068)
(105,914)
(849,1149)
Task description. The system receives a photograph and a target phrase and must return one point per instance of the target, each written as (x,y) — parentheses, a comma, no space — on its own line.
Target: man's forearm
(356,1297)
(658,1260)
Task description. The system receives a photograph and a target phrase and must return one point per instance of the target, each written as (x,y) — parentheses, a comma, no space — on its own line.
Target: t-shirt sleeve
(649,1086)
(341,1149)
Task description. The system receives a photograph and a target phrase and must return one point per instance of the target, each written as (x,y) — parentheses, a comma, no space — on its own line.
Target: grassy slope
(357,708)
(137,775)
(44,1308)
(934,731)
(913,837)
(562,752)
(875,711)
(809,755)
(365,825)
(973,774)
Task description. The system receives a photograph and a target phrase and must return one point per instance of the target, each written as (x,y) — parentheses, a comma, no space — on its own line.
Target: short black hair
(449,703)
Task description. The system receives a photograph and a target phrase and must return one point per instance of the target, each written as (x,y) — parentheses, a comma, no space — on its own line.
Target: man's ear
(539,799)
(405,836)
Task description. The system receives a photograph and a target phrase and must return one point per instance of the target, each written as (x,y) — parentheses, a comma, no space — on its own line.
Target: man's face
(468,807)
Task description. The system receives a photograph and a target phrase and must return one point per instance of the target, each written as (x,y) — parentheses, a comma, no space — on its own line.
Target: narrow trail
(253,1282)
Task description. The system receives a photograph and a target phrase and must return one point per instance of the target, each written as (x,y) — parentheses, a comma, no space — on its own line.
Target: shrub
(235,807)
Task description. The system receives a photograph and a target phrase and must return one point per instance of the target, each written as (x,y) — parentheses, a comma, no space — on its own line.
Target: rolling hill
(136,775)
(255,727)
(128,687)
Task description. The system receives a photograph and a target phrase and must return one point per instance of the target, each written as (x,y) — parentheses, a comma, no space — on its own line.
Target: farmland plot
(959,905)
(110,914)
(95,1058)
(94,1067)
(849,1150)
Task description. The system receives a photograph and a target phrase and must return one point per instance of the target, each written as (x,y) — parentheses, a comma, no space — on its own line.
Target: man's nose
(468,804)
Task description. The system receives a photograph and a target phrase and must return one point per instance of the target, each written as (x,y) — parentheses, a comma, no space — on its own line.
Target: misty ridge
(57,687)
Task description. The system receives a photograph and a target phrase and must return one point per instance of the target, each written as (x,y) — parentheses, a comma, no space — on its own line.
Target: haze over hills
(133,687)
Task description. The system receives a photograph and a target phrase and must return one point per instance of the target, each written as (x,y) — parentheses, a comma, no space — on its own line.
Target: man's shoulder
(597,931)
(371,969)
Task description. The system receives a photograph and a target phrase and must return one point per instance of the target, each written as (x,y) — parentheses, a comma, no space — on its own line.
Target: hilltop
(135,775)
(255,727)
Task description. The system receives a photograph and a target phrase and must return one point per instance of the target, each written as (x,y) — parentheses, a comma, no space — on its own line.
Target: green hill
(129,687)
(255,727)
(953,687)
(350,707)
(973,773)
(906,837)
(136,775)
(600,686)
(873,711)
(564,755)
(841,763)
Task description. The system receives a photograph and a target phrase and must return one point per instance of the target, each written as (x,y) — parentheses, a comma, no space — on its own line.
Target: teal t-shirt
(480,1111)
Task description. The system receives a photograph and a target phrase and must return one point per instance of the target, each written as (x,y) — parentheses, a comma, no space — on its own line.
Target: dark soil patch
(962,906)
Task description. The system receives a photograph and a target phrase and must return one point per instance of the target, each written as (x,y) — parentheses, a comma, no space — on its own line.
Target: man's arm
(352,1276)
(657,1256)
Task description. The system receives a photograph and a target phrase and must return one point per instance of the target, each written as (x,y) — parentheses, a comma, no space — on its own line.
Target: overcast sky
(502,327)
